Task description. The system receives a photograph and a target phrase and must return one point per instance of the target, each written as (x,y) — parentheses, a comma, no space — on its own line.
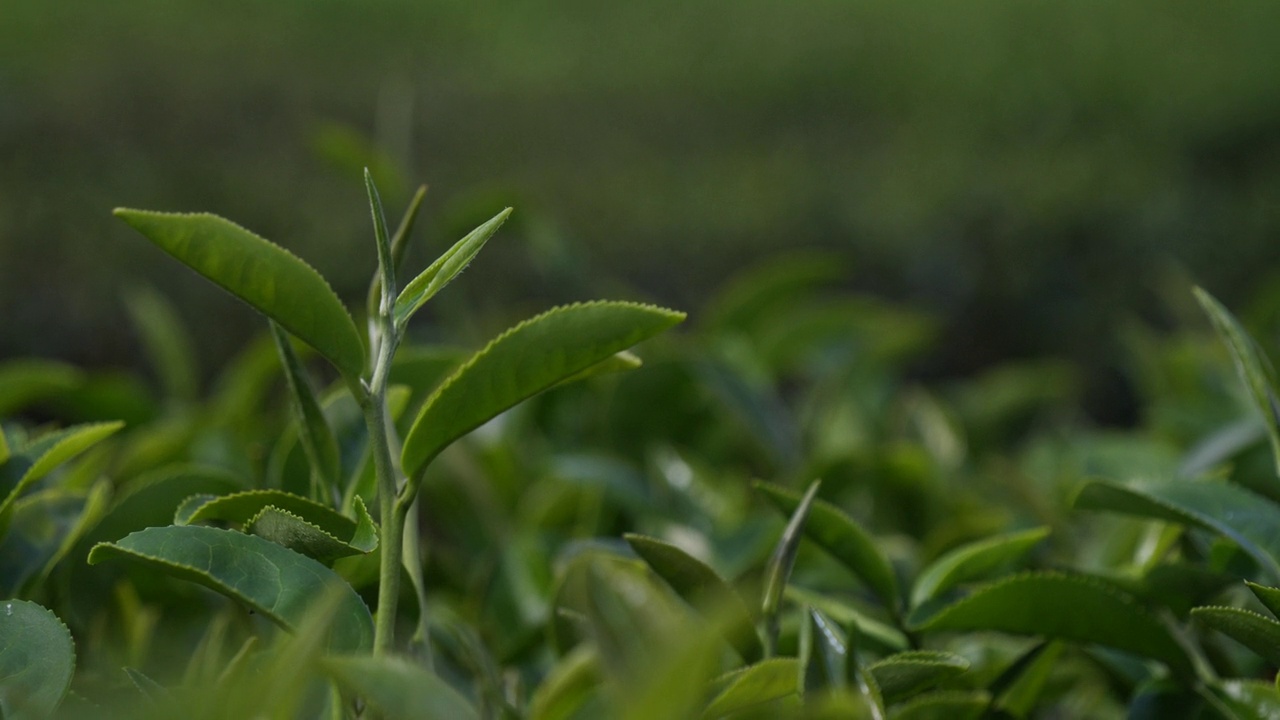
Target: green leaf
(399,690)
(824,652)
(285,528)
(37,660)
(1022,685)
(167,343)
(778,571)
(975,561)
(273,580)
(25,381)
(264,275)
(838,534)
(945,705)
(522,362)
(40,456)
(314,433)
(1246,518)
(904,674)
(4,447)
(1249,699)
(445,269)
(704,589)
(1268,596)
(303,525)
(760,683)
(567,687)
(399,243)
(386,266)
(1251,364)
(1256,632)
(1069,607)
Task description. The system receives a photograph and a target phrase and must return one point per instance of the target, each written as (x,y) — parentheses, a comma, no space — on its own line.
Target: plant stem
(392,521)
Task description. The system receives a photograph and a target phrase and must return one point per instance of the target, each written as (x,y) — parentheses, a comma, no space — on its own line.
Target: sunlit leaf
(1250,699)
(1019,689)
(37,660)
(264,275)
(1268,596)
(975,561)
(399,690)
(399,243)
(1259,634)
(444,269)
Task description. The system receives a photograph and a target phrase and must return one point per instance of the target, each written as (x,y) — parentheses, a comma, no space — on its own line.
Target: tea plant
(603,550)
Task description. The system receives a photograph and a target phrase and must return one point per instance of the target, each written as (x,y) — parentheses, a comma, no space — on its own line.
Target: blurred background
(1037,177)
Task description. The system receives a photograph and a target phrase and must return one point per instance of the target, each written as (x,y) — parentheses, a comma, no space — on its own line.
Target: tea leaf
(39,457)
(314,433)
(1268,596)
(285,528)
(975,561)
(264,275)
(902,675)
(778,571)
(522,362)
(37,660)
(862,678)
(399,242)
(25,381)
(1249,699)
(167,343)
(273,580)
(945,705)
(399,690)
(1259,634)
(704,589)
(304,525)
(759,683)
(445,269)
(1051,605)
(1246,518)
(838,534)
(824,653)
(567,687)
(1251,364)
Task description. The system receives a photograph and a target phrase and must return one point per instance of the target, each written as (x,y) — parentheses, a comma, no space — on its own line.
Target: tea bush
(350,523)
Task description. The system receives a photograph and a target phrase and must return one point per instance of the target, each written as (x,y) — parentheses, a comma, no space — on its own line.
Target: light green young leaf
(300,524)
(838,534)
(525,360)
(314,434)
(904,674)
(25,381)
(1248,519)
(861,677)
(974,561)
(1259,634)
(567,687)
(760,683)
(945,705)
(273,580)
(167,343)
(445,269)
(37,660)
(264,275)
(40,456)
(778,571)
(399,690)
(1255,370)
(386,266)
(1067,607)
(704,589)
(399,242)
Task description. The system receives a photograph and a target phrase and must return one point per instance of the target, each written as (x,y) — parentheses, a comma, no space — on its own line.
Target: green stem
(392,522)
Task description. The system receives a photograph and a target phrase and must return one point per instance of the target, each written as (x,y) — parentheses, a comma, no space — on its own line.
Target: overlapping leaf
(974,561)
(445,269)
(37,660)
(398,689)
(760,683)
(1259,634)
(303,525)
(904,674)
(40,456)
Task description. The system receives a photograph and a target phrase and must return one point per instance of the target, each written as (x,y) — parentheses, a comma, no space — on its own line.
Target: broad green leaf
(303,525)
(37,660)
(386,266)
(39,457)
(838,534)
(399,690)
(944,705)
(567,687)
(905,674)
(1067,607)
(522,362)
(1256,632)
(704,589)
(762,289)
(1268,596)
(445,269)
(975,561)
(314,433)
(95,506)
(264,275)
(1252,365)
(25,381)
(167,343)
(1246,518)
(273,580)
(755,684)
(619,362)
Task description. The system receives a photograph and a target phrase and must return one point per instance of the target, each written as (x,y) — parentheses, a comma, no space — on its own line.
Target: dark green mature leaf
(40,456)
(4,447)
(399,690)
(314,434)
(264,275)
(300,524)
(904,674)
(1252,365)
(26,381)
(445,269)
(1256,632)
(861,677)
(1069,607)
(945,705)
(273,580)
(838,534)
(1248,519)
(704,589)
(975,561)
(37,660)
(525,360)
(1268,596)
(1019,688)
(755,684)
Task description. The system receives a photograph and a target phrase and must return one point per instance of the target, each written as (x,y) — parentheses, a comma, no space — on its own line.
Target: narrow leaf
(1068,607)
(522,362)
(1268,596)
(399,242)
(760,683)
(4,447)
(37,660)
(824,652)
(154,692)
(444,269)
(264,275)
(1246,518)
(838,534)
(399,690)
(902,675)
(39,457)
(1259,634)
(778,571)
(167,343)
(273,580)
(975,561)
(314,433)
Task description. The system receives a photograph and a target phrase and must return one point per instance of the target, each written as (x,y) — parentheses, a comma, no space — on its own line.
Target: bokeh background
(1035,175)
